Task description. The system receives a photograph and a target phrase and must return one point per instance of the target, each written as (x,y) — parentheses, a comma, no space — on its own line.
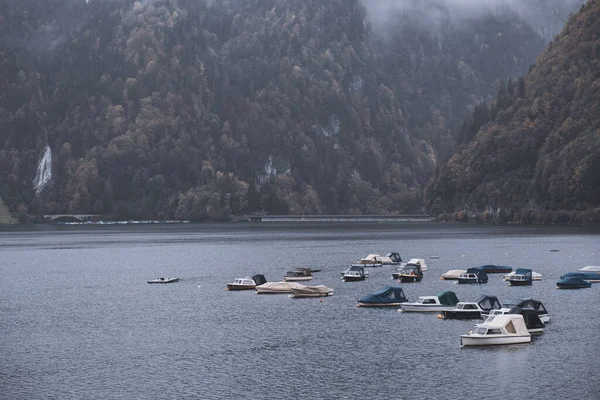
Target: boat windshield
(480,331)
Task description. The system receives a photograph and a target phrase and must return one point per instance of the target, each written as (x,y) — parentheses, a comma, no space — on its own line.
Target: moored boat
(246,283)
(354,274)
(389,296)
(590,268)
(532,321)
(496,269)
(311,291)
(472,310)
(571,282)
(453,274)
(442,301)
(586,276)
(299,274)
(534,276)
(530,303)
(418,261)
(277,287)
(521,277)
(473,275)
(164,280)
(498,330)
(409,273)
(370,261)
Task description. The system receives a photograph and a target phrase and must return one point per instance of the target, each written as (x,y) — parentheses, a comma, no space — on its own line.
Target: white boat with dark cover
(498,330)
(246,283)
(532,321)
(164,280)
(473,310)
(311,291)
(441,302)
(530,304)
(354,274)
(534,276)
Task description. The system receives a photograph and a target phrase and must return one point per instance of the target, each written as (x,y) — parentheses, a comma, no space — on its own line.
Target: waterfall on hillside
(44,171)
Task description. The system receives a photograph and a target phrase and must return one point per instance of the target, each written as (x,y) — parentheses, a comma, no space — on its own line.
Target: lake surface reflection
(80,321)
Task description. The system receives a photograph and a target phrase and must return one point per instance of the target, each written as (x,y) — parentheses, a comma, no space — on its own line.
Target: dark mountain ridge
(194,109)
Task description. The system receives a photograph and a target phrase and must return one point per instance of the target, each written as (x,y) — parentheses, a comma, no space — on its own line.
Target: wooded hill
(537,157)
(195,109)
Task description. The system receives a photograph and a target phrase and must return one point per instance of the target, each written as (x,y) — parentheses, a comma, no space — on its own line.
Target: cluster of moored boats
(510,322)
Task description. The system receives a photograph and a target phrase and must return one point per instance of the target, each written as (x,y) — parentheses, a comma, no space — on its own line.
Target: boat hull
(477,340)
(519,283)
(424,308)
(299,296)
(234,287)
(468,281)
(408,278)
(573,286)
(296,278)
(472,314)
(380,305)
(164,280)
(353,278)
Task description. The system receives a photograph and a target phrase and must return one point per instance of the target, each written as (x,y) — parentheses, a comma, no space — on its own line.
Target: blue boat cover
(488,303)
(573,282)
(386,295)
(582,275)
(259,279)
(527,303)
(480,272)
(448,298)
(491,267)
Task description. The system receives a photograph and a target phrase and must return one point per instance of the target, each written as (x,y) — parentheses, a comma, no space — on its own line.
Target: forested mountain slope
(200,109)
(539,159)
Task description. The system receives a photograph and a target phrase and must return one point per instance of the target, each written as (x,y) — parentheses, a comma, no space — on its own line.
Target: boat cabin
(394,258)
(473,275)
(355,273)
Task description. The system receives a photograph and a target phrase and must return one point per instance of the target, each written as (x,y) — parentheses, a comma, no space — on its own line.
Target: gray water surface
(79,321)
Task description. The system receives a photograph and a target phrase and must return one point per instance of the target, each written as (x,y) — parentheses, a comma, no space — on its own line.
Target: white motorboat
(246,283)
(443,301)
(299,274)
(590,268)
(277,287)
(497,330)
(453,274)
(311,291)
(534,276)
(472,310)
(164,280)
(372,260)
(532,321)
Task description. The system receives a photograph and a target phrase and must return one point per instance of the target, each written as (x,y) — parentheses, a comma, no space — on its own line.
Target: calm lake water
(79,321)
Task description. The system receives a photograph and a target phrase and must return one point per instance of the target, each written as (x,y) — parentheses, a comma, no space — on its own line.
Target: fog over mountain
(545,16)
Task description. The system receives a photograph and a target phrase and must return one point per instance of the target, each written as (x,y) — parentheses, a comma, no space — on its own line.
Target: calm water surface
(79,321)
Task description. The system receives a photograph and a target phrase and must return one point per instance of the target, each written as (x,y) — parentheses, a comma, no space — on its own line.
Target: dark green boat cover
(447,298)
(389,294)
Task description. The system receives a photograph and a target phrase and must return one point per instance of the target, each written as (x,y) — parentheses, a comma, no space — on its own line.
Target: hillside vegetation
(538,158)
(195,109)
